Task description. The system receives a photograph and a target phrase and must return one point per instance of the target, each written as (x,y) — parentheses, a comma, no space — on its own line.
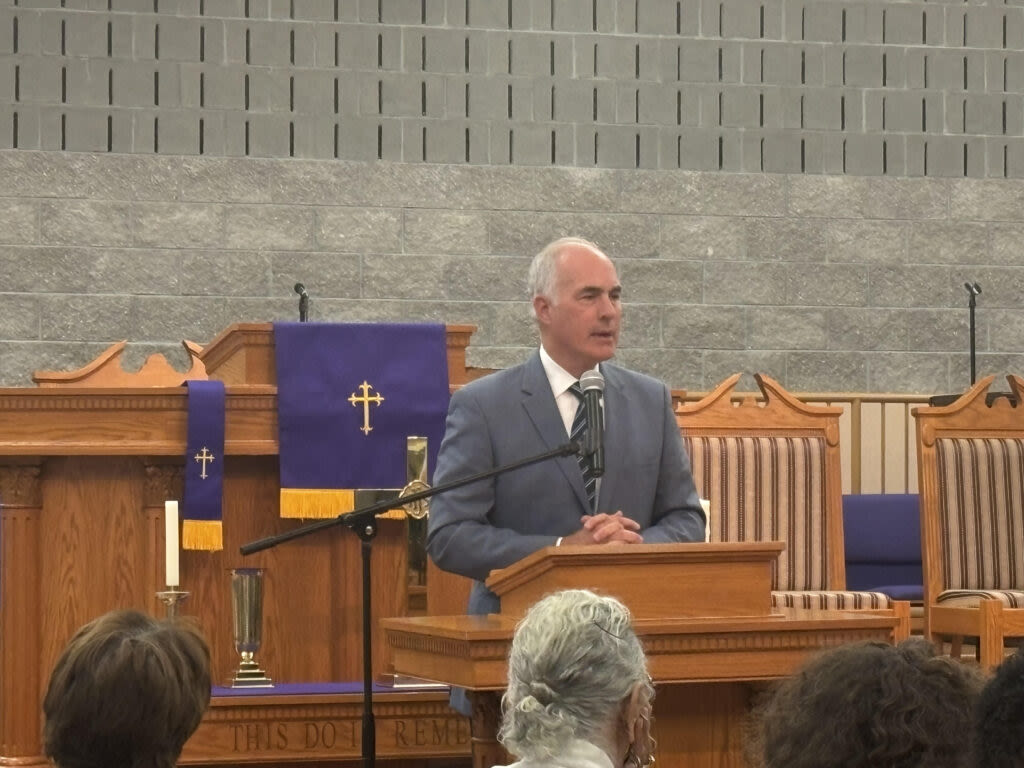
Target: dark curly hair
(871,705)
(1000,718)
(127,691)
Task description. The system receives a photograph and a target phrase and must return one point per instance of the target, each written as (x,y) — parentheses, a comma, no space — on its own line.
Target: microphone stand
(363,522)
(973,289)
(303,302)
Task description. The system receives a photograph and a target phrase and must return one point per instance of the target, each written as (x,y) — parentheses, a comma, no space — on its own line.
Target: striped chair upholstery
(981,520)
(774,488)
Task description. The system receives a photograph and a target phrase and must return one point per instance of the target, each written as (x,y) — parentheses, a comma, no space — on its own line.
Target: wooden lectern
(86,463)
(703,612)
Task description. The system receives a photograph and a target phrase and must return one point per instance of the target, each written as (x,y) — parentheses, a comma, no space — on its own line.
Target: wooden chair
(771,470)
(971,481)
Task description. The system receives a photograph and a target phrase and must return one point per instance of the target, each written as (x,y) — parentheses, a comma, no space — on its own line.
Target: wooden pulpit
(703,612)
(86,462)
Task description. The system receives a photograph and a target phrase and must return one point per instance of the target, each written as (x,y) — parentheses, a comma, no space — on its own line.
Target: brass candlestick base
(172,597)
(247,622)
(249,674)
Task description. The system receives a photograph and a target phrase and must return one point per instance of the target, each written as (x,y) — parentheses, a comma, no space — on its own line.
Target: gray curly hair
(574,659)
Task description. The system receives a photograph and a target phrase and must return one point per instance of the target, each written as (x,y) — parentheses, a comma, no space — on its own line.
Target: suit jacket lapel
(615,433)
(540,407)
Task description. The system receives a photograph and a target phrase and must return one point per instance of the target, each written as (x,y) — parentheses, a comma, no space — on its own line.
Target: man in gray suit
(646,494)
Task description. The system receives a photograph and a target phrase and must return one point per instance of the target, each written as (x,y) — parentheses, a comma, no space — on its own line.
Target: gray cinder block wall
(799,187)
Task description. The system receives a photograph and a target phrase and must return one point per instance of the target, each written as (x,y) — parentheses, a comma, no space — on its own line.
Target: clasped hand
(606,529)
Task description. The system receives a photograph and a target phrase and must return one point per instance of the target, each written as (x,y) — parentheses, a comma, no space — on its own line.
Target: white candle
(171,541)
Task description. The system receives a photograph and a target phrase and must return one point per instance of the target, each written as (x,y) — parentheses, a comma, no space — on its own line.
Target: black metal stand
(363,523)
(973,289)
(303,302)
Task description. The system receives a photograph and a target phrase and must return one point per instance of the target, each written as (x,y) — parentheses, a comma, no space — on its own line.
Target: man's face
(579,325)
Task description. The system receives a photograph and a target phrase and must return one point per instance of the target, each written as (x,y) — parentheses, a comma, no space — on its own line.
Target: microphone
(303,302)
(973,288)
(592,384)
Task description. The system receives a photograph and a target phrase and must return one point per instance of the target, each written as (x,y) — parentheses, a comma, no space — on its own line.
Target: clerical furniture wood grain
(971,465)
(84,472)
(706,667)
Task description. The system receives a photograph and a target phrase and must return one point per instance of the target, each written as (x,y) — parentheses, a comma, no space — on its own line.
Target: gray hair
(543,272)
(574,659)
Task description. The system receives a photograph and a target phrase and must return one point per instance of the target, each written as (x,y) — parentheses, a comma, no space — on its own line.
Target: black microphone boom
(592,384)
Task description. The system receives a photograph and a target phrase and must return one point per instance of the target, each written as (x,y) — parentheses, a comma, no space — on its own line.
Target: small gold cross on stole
(366,400)
(203,457)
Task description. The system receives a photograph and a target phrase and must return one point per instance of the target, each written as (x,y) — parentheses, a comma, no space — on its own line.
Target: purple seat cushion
(882,537)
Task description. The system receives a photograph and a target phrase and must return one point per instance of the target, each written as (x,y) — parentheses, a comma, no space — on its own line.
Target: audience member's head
(577,672)
(127,692)
(999,735)
(871,705)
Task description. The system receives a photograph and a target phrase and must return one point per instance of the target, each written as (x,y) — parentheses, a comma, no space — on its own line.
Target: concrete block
(29,26)
(85,35)
(227,180)
(740,107)
(694,326)
(364,47)
(178,40)
(908,199)
(718,365)
(782,64)
(939,330)
(39,80)
(742,282)
(661,17)
(452,142)
(699,148)
(571,16)
(84,318)
(84,130)
(740,19)
(1002,285)
(864,154)
(745,195)
(447,50)
(701,237)
(314,137)
(709,61)
(524,233)
(616,58)
(982,200)
(19,316)
(314,90)
(678,368)
(862,66)
(445,232)
(655,281)
(219,273)
(868,328)
(178,225)
(905,24)
(949,70)
(19,221)
(621,236)
(88,83)
(403,277)
(1005,329)
(945,156)
(325,274)
(269,44)
(907,372)
(486,278)
(270,90)
(861,242)
(826,371)
(268,227)
(488,14)
(401,12)
(85,222)
(618,147)
(828,285)
(912,286)
(317,10)
(177,133)
(822,22)
(224,87)
(784,239)
(1005,244)
(787,328)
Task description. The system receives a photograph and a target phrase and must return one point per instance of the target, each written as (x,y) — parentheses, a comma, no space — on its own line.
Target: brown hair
(869,705)
(127,692)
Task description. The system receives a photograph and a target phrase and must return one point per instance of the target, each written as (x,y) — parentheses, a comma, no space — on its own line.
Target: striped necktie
(579,426)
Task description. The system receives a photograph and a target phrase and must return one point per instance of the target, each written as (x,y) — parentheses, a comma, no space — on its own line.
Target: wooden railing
(878,442)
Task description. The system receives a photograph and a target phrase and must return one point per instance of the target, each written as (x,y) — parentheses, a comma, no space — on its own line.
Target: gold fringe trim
(202,534)
(311,503)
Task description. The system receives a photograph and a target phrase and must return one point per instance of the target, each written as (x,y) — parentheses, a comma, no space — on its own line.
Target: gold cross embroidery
(203,457)
(366,400)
